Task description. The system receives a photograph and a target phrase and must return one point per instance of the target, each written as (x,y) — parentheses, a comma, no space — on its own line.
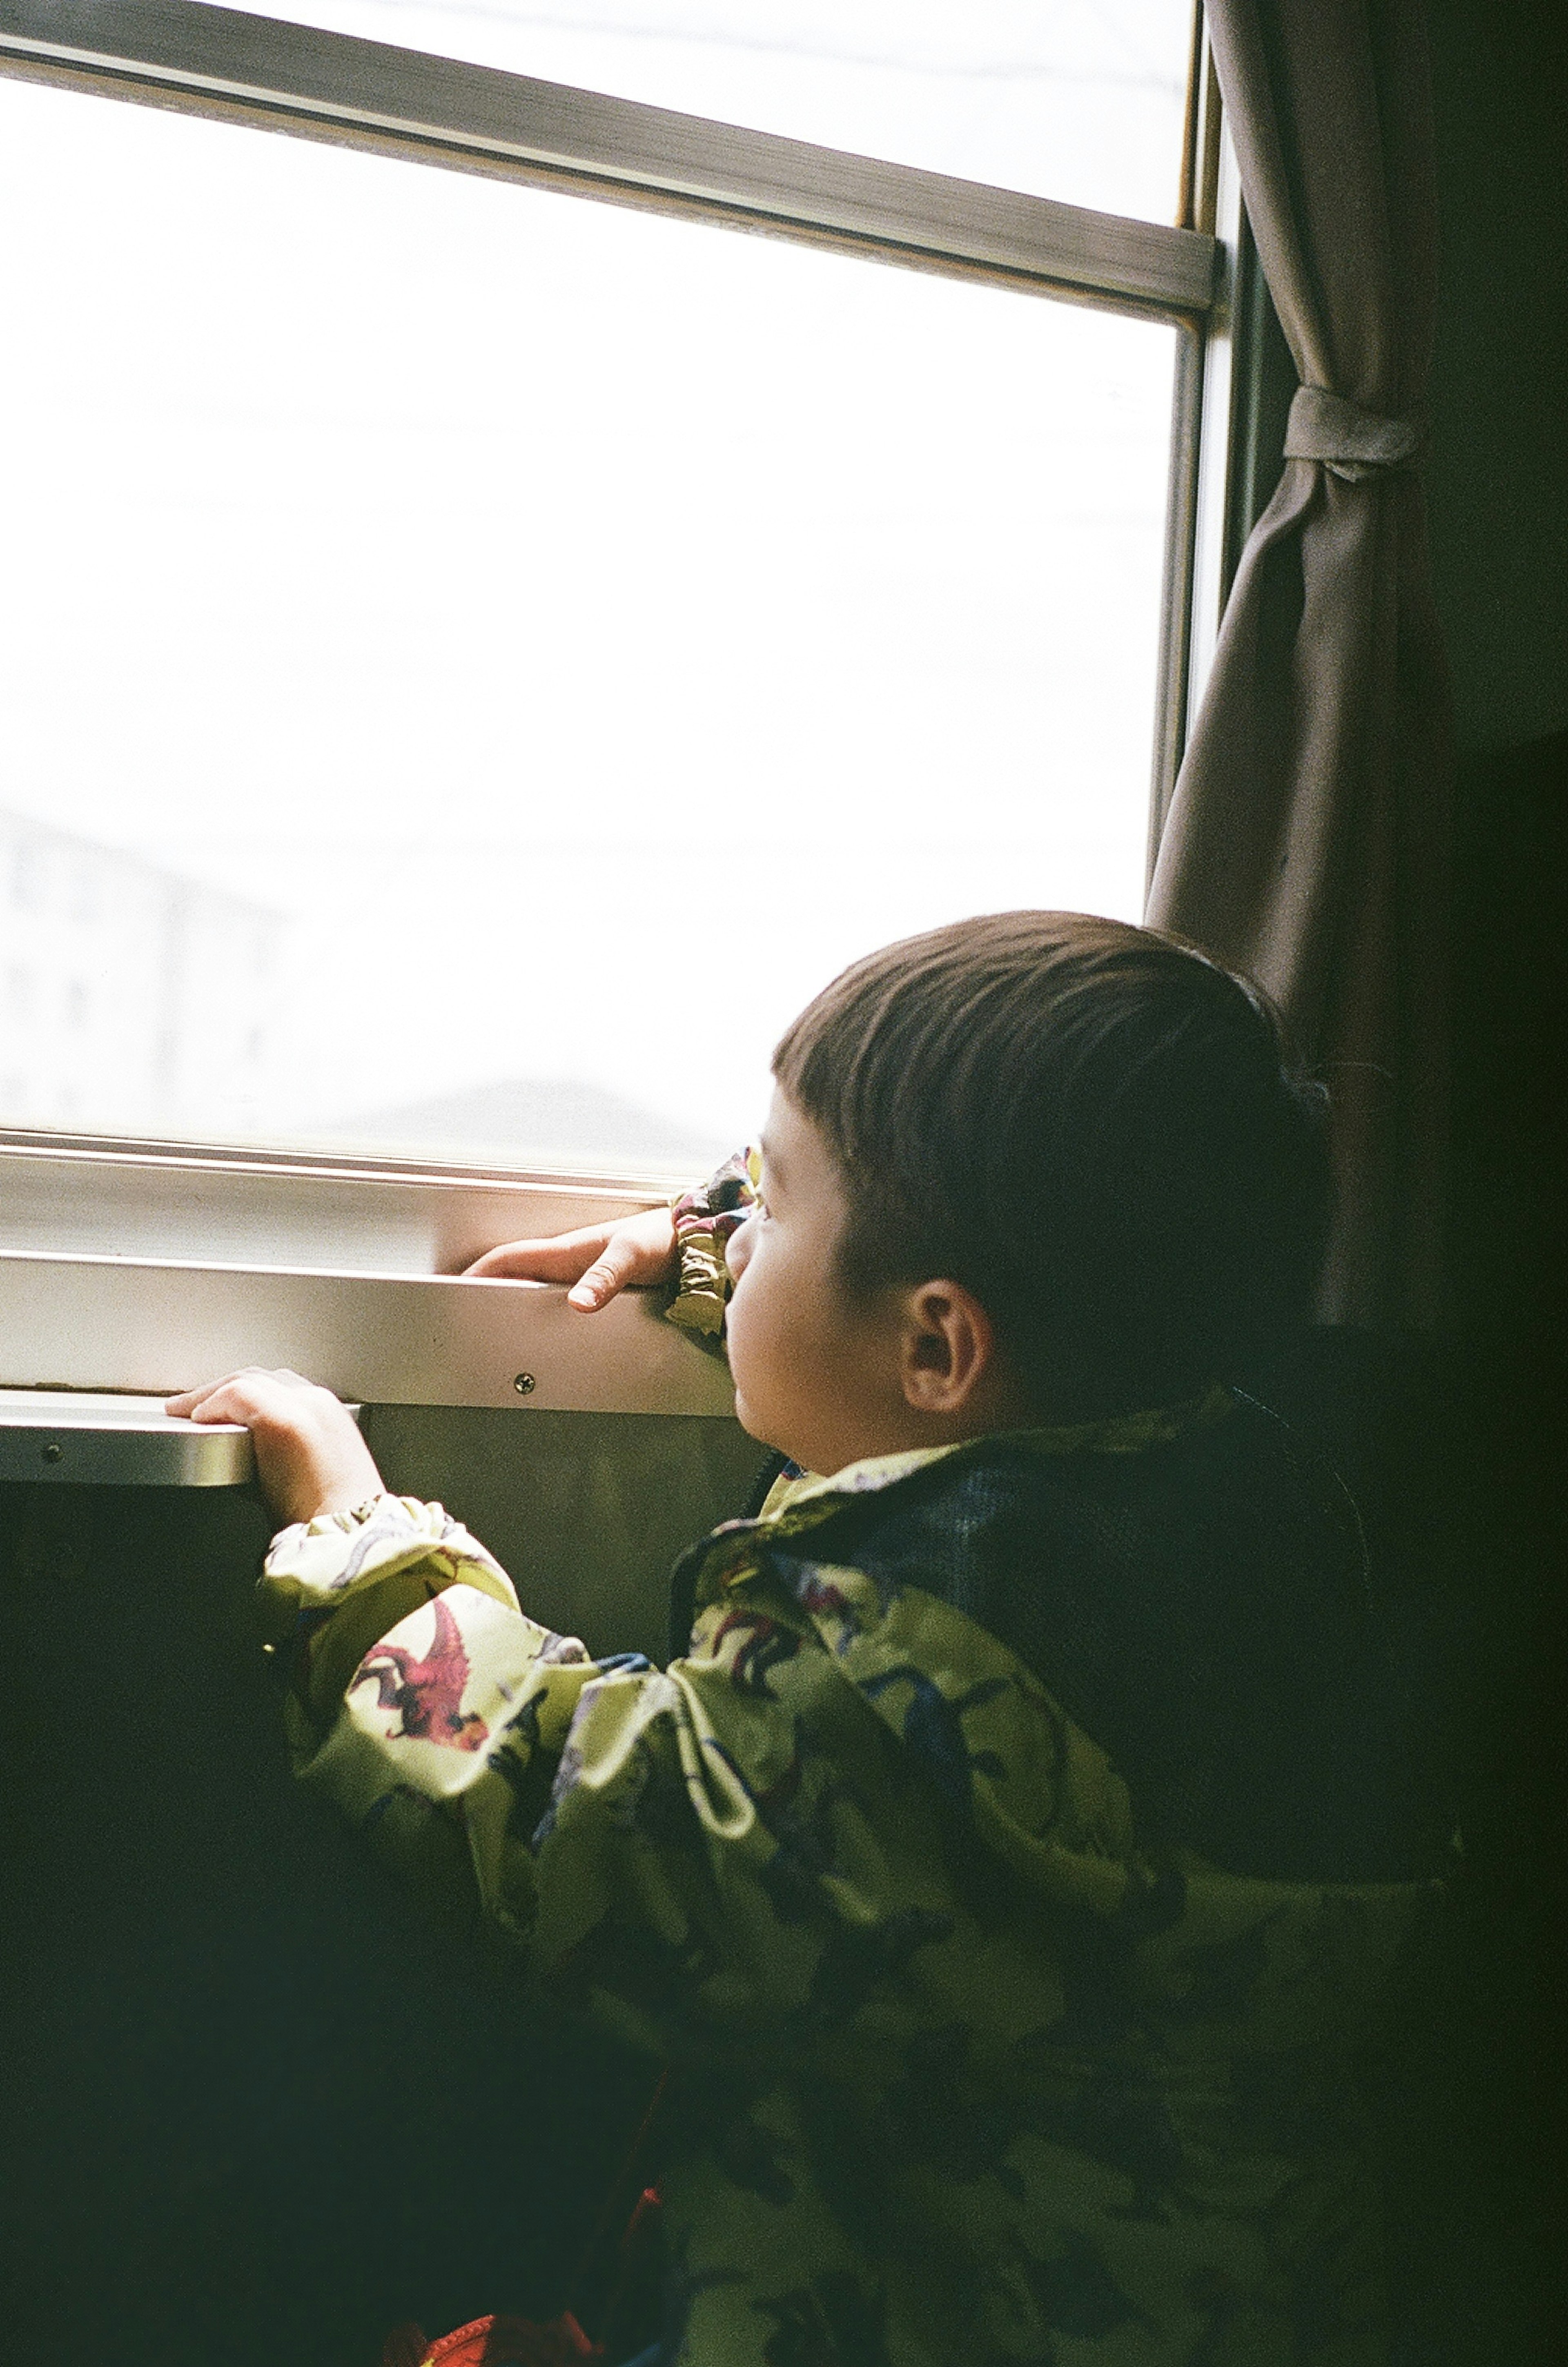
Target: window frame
(336,87)
(121,1245)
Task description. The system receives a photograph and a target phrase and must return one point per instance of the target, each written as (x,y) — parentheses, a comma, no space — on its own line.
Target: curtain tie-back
(1350,441)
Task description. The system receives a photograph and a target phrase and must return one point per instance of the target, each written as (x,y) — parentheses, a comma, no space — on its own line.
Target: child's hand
(598,1262)
(309,1456)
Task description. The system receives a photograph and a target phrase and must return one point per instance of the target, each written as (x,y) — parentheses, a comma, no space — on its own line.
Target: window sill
(70,1439)
(147,1267)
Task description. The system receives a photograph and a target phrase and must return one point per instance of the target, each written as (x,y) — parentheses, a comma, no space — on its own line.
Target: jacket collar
(809,1500)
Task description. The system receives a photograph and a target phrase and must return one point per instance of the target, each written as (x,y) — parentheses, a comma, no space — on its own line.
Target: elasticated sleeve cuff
(704,1220)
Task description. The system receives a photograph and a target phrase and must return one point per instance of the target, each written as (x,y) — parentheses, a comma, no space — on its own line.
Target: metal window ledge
(156,1326)
(120,1442)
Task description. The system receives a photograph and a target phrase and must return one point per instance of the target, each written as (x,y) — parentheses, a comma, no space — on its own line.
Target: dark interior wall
(1469,1431)
(1497,472)
(1498,494)
(255,2107)
(1497,484)
(258,2104)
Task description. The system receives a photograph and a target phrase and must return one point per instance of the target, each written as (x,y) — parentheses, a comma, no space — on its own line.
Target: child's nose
(738,1250)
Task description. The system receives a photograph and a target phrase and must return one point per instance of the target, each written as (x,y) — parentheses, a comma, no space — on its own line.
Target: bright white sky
(593,630)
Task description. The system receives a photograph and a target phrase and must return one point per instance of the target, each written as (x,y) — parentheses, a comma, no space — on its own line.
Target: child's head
(1085,1126)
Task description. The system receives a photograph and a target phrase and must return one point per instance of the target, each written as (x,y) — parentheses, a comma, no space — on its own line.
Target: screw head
(525,1385)
(53,1452)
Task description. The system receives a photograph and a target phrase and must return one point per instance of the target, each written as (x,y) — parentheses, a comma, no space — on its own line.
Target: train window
(474,660)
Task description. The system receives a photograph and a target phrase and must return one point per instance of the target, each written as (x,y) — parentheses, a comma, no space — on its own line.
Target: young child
(1010,1866)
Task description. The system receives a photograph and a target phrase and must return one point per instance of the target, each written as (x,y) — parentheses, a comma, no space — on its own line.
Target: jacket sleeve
(704,1220)
(605,1813)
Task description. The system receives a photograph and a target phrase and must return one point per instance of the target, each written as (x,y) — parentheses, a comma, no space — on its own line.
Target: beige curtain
(1306,841)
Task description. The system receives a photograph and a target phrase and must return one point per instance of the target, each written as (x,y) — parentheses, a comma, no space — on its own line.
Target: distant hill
(541,1117)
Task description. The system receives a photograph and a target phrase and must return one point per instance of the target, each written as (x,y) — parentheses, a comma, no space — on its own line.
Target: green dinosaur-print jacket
(998,2037)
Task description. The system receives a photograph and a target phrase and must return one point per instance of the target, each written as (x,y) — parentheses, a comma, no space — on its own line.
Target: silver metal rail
(118,1442)
(156,1326)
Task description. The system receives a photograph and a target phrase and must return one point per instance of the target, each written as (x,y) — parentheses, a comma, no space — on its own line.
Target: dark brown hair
(1092,1127)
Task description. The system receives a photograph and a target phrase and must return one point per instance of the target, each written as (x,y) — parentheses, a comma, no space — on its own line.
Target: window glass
(1077,99)
(474,660)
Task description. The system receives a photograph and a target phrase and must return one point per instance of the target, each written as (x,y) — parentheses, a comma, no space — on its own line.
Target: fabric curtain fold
(1306,843)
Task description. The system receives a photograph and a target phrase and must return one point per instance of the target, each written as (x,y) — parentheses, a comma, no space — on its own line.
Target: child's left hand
(311,1458)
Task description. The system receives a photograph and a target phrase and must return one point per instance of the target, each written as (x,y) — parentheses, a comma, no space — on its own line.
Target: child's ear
(949,1348)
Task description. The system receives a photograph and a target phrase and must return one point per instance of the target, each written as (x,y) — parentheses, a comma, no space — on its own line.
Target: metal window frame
(114,1211)
(1234,386)
(332,86)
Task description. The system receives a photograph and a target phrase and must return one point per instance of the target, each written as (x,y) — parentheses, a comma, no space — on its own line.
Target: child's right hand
(598,1261)
(310,1458)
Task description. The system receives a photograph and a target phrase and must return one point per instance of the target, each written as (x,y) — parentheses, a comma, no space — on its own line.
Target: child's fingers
(598,1261)
(607,1275)
(195,1405)
(246,1396)
(640,1250)
(229,1403)
(558,1259)
(310,1458)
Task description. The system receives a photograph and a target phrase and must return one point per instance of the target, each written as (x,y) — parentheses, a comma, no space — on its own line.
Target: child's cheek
(736,1345)
(735,1314)
(746,1327)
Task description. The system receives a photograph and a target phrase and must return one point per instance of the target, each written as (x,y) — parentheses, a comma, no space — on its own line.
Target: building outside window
(108,1014)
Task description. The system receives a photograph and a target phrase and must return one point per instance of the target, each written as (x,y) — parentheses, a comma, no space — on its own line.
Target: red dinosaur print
(428,1694)
(765,1646)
